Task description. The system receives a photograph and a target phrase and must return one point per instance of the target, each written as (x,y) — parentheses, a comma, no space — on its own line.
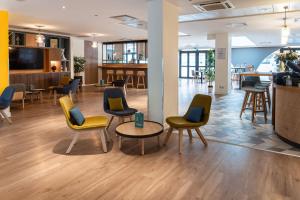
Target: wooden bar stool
(120,74)
(141,79)
(257,102)
(129,74)
(110,76)
(266,87)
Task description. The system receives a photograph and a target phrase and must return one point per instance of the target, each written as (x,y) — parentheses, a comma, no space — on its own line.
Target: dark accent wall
(91,66)
(254,55)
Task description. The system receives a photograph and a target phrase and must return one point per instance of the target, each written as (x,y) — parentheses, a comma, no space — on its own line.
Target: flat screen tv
(26,58)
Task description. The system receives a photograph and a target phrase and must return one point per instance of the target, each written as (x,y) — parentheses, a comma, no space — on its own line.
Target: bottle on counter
(288,81)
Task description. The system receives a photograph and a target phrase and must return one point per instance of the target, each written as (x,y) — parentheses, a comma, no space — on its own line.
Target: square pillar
(4,68)
(4,74)
(223,62)
(163,60)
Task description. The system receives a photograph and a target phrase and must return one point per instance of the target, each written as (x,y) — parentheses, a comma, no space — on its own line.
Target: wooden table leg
(120,142)
(41,96)
(158,142)
(142,146)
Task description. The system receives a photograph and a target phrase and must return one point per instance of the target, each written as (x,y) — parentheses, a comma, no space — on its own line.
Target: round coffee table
(150,129)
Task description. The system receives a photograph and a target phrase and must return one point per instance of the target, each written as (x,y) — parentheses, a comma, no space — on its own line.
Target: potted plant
(210,71)
(282,58)
(79,63)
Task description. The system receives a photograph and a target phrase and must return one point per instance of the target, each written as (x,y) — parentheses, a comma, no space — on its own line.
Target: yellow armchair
(180,122)
(95,122)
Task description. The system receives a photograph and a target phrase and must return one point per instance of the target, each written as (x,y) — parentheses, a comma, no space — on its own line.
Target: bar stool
(266,88)
(110,76)
(257,102)
(141,76)
(120,74)
(129,74)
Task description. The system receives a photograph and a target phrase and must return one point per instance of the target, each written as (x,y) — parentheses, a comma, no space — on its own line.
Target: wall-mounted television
(26,58)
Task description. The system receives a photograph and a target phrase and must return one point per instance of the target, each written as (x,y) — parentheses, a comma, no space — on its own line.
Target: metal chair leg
(6,117)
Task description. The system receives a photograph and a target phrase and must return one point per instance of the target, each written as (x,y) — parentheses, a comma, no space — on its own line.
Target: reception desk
(286,113)
(124,67)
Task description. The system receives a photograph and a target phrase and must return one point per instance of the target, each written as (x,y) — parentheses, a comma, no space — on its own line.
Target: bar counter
(124,67)
(287,113)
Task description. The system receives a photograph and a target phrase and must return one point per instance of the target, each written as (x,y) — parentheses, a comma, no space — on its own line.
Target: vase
(282,66)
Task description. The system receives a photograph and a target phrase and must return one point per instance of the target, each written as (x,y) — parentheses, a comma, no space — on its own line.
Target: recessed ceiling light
(236,25)
(181,34)
(96,15)
(63,7)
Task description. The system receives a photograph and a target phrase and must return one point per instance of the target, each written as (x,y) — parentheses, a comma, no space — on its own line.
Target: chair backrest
(74,85)
(6,97)
(113,93)
(255,79)
(65,80)
(19,87)
(204,101)
(66,104)
(19,93)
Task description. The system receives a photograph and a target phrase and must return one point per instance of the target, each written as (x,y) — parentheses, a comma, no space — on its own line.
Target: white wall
(77,49)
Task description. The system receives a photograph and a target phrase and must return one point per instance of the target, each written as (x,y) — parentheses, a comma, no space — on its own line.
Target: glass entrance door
(191,62)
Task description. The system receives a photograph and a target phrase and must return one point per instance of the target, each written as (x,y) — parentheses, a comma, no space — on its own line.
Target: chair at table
(90,123)
(69,89)
(20,93)
(5,101)
(180,122)
(122,114)
(121,84)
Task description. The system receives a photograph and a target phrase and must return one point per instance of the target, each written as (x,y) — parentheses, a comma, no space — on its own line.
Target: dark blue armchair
(69,89)
(5,101)
(117,93)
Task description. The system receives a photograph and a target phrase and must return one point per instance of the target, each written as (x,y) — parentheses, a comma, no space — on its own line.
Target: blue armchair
(122,114)
(5,101)
(69,89)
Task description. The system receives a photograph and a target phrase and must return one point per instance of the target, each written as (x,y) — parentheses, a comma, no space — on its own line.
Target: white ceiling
(78,19)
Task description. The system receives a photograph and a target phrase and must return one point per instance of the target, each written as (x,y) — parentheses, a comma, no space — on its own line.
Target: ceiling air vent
(213,5)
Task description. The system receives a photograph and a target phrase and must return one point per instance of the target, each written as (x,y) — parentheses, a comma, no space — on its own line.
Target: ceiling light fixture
(39,38)
(285,31)
(94,43)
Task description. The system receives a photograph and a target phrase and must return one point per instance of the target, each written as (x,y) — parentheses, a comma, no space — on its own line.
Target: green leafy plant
(79,63)
(210,71)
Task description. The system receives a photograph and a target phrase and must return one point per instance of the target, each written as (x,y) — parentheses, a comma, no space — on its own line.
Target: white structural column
(162,60)
(223,62)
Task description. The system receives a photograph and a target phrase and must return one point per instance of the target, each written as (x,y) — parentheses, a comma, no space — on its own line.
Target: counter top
(125,66)
(290,88)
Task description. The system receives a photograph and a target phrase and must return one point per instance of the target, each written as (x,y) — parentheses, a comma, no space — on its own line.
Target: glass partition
(133,52)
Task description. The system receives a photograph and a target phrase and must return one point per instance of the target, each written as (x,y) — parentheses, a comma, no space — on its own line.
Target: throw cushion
(76,116)
(195,114)
(115,104)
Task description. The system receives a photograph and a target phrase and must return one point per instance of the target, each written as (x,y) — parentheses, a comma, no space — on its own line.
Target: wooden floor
(33,164)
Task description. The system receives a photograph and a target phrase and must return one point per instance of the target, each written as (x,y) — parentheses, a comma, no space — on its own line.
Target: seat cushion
(126,112)
(195,114)
(76,117)
(91,122)
(181,122)
(115,104)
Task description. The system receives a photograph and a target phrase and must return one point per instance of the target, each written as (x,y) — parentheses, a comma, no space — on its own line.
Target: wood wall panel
(39,80)
(30,40)
(91,66)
